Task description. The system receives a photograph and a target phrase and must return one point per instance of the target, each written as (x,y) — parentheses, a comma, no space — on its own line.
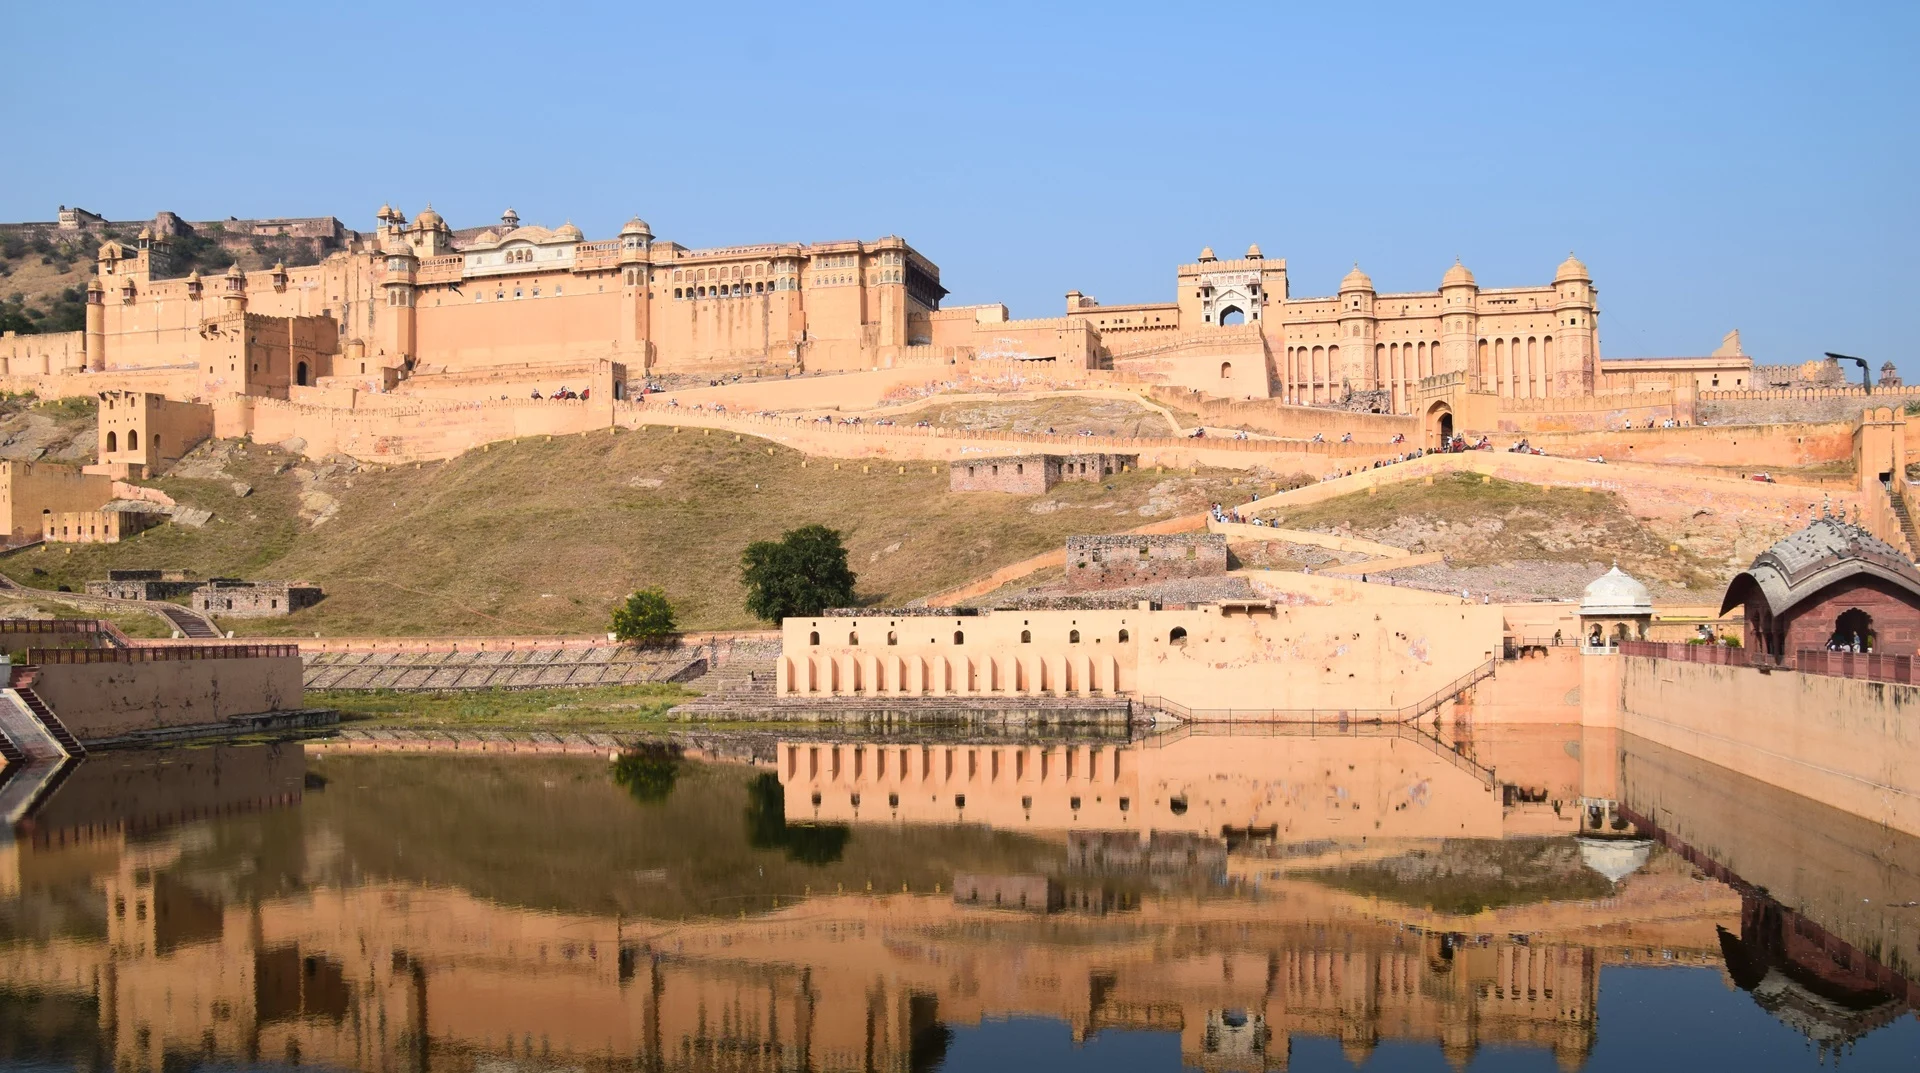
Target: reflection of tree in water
(929,1039)
(767,827)
(648,772)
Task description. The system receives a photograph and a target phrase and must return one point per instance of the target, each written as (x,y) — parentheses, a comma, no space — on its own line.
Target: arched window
(813,638)
(893,638)
(959,638)
(1226,370)
(1026,637)
(1123,637)
(1073,637)
(1853,631)
(133,439)
(113,441)
(1178,636)
(853,637)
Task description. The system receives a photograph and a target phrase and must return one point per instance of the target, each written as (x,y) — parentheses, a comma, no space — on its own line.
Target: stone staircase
(21,682)
(190,624)
(596,665)
(1900,511)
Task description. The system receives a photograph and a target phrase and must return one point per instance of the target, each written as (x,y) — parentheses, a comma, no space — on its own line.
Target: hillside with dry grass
(539,536)
(1517,540)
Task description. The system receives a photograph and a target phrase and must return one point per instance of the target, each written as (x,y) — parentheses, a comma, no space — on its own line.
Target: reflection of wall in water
(1302,787)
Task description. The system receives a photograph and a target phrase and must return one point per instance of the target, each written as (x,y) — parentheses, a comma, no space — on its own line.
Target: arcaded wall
(100,700)
(1339,658)
(1842,741)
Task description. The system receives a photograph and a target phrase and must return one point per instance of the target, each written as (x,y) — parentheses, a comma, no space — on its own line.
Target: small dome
(637,226)
(386,210)
(1571,268)
(1457,276)
(568,232)
(1206,253)
(509,214)
(233,271)
(1616,593)
(1356,280)
(94,286)
(146,234)
(1254,254)
(280,268)
(429,219)
(486,238)
(193,276)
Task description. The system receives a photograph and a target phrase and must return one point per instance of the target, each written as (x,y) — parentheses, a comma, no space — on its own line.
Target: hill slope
(541,536)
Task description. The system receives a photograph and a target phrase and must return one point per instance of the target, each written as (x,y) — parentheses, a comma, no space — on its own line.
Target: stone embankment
(605,665)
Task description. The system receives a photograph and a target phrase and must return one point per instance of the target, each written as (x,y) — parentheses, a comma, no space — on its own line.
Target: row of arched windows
(133,441)
(1313,374)
(726,290)
(1518,368)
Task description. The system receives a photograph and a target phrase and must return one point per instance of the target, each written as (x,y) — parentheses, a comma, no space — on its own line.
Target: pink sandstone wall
(1749,447)
(1844,742)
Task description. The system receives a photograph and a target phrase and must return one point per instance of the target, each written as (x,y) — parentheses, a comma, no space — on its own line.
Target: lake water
(1546,898)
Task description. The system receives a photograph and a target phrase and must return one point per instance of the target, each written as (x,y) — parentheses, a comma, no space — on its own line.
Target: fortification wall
(1755,447)
(41,355)
(1795,405)
(1591,413)
(1276,418)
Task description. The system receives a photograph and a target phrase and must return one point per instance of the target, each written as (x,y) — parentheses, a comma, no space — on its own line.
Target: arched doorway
(1853,632)
(300,374)
(1439,426)
(1232,315)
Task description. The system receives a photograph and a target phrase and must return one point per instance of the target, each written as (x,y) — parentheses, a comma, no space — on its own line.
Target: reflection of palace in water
(379,975)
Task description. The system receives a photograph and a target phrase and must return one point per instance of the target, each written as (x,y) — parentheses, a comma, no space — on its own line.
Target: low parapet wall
(1282,419)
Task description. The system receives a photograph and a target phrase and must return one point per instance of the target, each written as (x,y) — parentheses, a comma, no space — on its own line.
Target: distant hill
(44,266)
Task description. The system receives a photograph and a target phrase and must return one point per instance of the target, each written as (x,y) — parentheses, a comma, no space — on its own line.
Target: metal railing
(1335,717)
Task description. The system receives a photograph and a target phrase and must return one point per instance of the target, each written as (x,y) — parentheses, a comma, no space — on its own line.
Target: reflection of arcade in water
(259,935)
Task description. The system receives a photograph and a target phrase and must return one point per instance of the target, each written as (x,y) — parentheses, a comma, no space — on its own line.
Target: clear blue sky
(1724,165)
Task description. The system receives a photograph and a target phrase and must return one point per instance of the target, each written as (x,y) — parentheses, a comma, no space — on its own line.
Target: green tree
(803,573)
(646,618)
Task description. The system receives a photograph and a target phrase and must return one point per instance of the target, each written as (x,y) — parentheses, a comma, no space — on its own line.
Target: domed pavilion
(1832,585)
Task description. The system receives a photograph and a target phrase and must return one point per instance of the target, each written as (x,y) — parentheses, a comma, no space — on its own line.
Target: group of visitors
(563,393)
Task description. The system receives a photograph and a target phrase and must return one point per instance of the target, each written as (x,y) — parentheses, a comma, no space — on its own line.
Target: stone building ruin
(1033,474)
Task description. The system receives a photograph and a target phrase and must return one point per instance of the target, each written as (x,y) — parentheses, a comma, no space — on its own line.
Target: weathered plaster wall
(1851,744)
(98,700)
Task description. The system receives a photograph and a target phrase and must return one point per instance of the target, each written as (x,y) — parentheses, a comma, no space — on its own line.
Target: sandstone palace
(417,298)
